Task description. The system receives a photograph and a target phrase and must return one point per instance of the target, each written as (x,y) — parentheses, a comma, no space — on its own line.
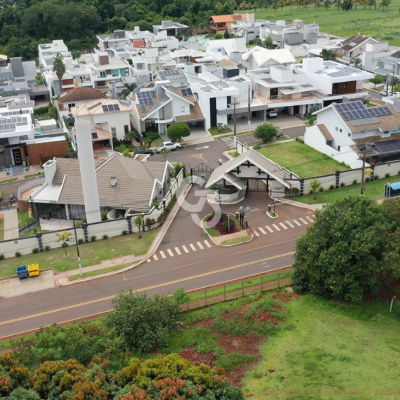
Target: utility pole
(366,148)
(248,111)
(77,250)
(234,123)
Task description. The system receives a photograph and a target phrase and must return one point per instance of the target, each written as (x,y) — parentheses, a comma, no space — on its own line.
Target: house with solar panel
(108,118)
(341,129)
(161,103)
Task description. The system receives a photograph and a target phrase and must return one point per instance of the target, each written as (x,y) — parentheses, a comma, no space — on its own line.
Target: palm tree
(384,3)
(59,67)
(314,186)
(64,237)
(129,88)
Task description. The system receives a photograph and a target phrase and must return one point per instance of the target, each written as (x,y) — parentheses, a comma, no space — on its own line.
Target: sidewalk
(10,223)
(34,169)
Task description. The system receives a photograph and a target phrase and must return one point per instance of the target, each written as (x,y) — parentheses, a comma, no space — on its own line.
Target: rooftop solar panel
(94,105)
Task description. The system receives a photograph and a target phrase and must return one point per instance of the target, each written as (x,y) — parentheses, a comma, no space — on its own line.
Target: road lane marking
(289,224)
(146,288)
(262,231)
(282,225)
(207,244)
(162,254)
(192,246)
(304,222)
(149,260)
(276,227)
(155,257)
(178,251)
(200,245)
(271,230)
(297,223)
(256,233)
(170,253)
(261,247)
(309,218)
(185,248)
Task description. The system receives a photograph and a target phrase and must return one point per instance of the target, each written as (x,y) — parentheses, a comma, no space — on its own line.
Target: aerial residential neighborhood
(199,200)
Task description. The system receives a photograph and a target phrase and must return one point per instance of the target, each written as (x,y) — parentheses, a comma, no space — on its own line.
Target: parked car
(143,150)
(168,145)
(272,114)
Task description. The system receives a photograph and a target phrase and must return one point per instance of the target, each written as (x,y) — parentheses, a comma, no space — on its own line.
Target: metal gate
(202,171)
(257,185)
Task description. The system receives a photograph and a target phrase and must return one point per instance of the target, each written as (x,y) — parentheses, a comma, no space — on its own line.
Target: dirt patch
(190,353)
(285,297)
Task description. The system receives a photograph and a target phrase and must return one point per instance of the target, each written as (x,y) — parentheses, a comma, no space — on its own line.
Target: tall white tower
(88,171)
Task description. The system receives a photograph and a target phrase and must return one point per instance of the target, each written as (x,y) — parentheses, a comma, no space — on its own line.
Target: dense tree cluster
(170,378)
(350,250)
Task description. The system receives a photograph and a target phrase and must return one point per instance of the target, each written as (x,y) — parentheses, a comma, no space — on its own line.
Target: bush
(321,189)
(387,176)
(124,233)
(35,250)
(93,238)
(80,241)
(149,137)
(104,215)
(1,257)
(265,132)
(376,177)
(331,187)
(18,254)
(84,220)
(46,248)
(105,237)
(342,184)
(143,323)
(178,130)
(367,179)
(299,140)
(355,182)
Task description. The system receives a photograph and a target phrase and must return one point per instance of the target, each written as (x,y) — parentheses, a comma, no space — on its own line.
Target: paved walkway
(10,224)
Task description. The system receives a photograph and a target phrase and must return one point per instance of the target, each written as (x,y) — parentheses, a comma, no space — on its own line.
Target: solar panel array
(187,92)
(94,105)
(6,113)
(14,120)
(7,127)
(357,110)
(160,102)
(63,95)
(110,107)
(145,99)
(169,73)
(94,135)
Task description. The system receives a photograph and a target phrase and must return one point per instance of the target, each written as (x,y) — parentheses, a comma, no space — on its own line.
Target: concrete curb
(155,244)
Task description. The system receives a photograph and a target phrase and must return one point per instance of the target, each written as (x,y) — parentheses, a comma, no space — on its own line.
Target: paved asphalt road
(200,265)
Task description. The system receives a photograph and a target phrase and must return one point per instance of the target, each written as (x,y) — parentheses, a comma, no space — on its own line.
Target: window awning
(395,186)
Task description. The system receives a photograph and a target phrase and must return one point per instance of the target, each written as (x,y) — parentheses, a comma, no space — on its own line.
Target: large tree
(341,254)
(178,130)
(265,132)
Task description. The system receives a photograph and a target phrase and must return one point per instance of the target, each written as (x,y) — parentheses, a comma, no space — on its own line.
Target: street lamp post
(366,148)
(77,250)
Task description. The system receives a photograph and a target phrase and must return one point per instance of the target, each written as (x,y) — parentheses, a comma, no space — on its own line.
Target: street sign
(246,210)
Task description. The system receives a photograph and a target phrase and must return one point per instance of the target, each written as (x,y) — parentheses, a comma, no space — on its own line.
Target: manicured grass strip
(9,180)
(236,241)
(33,175)
(301,159)
(1,228)
(373,190)
(24,219)
(156,142)
(98,272)
(215,131)
(325,350)
(92,253)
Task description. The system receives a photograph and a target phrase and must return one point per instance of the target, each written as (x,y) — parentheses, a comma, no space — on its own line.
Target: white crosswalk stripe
(256,233)
(178,251)
(149,260)
(200,245)
(282,225)
(289,224)
(297,223)
(303,221)
(270,229)
(170,252)
(207,244)
(262,231)
(185,249)
(162,254)
(155,257)
(192,246)
(276,227)
(309,218)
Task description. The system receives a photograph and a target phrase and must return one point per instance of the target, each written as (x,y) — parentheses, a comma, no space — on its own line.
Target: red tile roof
(139,43)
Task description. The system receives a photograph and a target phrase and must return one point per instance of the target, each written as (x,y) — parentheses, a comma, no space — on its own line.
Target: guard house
(250,172)
(392,190)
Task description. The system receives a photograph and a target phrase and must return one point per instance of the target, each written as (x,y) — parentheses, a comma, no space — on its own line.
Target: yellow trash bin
(33,269)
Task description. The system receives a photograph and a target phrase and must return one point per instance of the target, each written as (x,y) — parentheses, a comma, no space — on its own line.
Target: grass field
(381,25)
(215,131)
(373,190)
(329,351)
(91,253)
(301,159)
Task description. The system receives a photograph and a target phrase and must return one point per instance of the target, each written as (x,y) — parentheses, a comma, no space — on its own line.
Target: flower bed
(221,227)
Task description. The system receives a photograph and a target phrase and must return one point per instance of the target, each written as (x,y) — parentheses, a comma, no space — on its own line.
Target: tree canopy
(265,132)
(343,253)
(178,130)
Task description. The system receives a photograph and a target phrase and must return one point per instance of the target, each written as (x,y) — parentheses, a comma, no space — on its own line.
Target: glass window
(115,72)
(114,131)
(102,74)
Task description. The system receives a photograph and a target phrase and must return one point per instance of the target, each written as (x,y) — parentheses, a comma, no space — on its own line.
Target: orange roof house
(219,23)
(139,43)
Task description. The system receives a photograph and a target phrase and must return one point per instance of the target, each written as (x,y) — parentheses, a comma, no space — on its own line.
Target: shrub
(46,248)
(321,189)
(387,176)
(35,250)
(1,257)
(124,233)
(105,237)
(355,182)
(376,177)
(300,140)
(367,179)
(331,187)
(93,238)
(342,184)
(18,254)
(80,241)
(84,220)
(265,132)
(104,215)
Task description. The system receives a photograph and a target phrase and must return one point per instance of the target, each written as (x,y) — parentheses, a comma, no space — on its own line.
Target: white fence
(110,228)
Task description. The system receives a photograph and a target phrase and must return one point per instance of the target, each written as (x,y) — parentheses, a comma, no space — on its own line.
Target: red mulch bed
(218,226)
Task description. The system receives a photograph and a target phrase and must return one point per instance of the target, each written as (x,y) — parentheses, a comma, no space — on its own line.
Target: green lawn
(8,181)
(215,131)
(329,351)
(236,241)
(381,25)
(214,232)
(91,253)
(373,190)
(37,175)
(301,159)
(24,219)
(1,229)
(156,142)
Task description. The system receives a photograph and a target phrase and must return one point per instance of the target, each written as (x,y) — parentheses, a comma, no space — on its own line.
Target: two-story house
(249,28)
(50,50)
(221,23)
(171,28)
(259,57)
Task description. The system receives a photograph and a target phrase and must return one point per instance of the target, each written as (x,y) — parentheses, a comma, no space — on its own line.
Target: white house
(172,28)
(249,28)
(259,57)
(49,51)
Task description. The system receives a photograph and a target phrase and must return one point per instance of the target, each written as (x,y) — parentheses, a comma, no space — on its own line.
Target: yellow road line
(142,289)
(261,247)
